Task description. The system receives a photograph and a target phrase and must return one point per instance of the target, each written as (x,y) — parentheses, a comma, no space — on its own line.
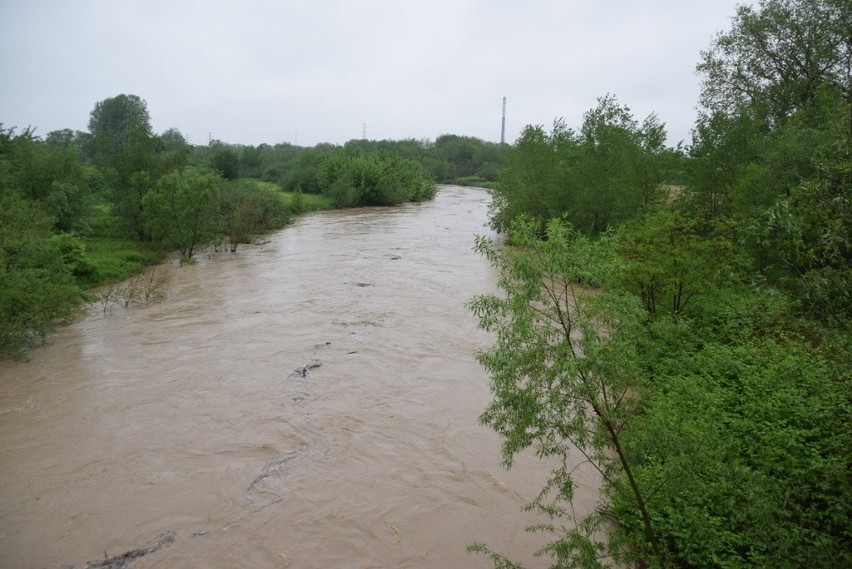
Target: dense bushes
(719,419)
(38,285)
(373,180)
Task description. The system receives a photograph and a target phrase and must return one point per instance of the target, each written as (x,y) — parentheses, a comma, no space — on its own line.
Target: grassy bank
(110,256)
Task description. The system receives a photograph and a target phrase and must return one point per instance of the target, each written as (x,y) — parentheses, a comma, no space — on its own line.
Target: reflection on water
(310,401)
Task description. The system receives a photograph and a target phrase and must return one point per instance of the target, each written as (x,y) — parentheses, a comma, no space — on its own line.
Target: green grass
(309,202)
(114,259)
(474,181)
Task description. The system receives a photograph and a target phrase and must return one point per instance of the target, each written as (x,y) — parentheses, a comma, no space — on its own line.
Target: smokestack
(503,129)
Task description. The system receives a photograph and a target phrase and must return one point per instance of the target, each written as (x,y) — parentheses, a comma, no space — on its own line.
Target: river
(196,431)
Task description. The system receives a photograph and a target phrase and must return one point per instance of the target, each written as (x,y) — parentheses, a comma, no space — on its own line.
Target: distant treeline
(449,159)
(81,209)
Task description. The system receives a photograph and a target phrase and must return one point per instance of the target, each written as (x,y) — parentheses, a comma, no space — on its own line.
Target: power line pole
(364,132)
(503,129)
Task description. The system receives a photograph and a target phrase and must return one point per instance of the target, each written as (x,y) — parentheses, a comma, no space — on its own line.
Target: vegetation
(608,172)
(707,374)
(708,377)
(90,209)
(449,159)
(355,179)
(38,282)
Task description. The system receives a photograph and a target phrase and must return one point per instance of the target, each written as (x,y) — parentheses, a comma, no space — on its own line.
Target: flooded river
(200,431)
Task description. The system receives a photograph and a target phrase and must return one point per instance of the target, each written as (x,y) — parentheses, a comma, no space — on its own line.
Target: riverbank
(109,256)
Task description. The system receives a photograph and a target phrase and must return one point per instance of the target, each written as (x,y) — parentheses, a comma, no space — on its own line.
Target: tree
(721,434)
(598,177)
(172,152)
(181,210)
(808,239)
(125,150)
(608,171)
(226,162)
(535,180)
(663,261)
(353,179)
(173,139)
(250,162)
(52,176)
(776,58)
(117,124)
(248,207)
(565,376)
(38,287)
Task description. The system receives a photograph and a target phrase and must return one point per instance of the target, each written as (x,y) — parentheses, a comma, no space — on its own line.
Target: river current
(309,401)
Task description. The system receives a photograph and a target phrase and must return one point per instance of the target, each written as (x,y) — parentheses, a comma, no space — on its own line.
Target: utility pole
(364,132)
(503,129)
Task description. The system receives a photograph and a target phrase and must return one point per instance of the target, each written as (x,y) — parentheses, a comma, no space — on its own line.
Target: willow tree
(182,210)
(564,374)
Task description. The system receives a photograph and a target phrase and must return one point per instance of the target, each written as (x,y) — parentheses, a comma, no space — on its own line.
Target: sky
(311,71)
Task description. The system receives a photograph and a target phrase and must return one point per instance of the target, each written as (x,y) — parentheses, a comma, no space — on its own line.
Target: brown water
(185,416)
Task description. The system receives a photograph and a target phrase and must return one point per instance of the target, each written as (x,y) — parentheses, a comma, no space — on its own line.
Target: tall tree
(116,123)
(535,179)
(808,237)
(776,57)
(51,175)
(125,150)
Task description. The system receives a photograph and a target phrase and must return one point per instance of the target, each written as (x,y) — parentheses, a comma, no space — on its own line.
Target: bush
(381,179)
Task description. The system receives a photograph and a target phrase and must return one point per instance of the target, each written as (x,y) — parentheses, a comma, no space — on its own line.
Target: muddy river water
(197,431)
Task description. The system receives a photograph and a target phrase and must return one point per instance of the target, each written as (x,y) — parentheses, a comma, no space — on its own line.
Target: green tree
(775,93)
(662,259)
(535,180)
(603,175)
(181,210)
(777,56)
(740,167)
(173,139)
(251,161)
(305,170)
(172,151)
(565,375)
(355,179)
(226,162)
(116,124)
(247,208)
(608,172)
(52,176)
(125,151)
(721,435)
(38,287)
(807,238)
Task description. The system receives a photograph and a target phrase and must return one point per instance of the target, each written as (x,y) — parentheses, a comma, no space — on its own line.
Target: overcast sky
(310,71)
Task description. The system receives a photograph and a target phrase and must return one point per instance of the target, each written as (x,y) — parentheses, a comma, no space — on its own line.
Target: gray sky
(310,71)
